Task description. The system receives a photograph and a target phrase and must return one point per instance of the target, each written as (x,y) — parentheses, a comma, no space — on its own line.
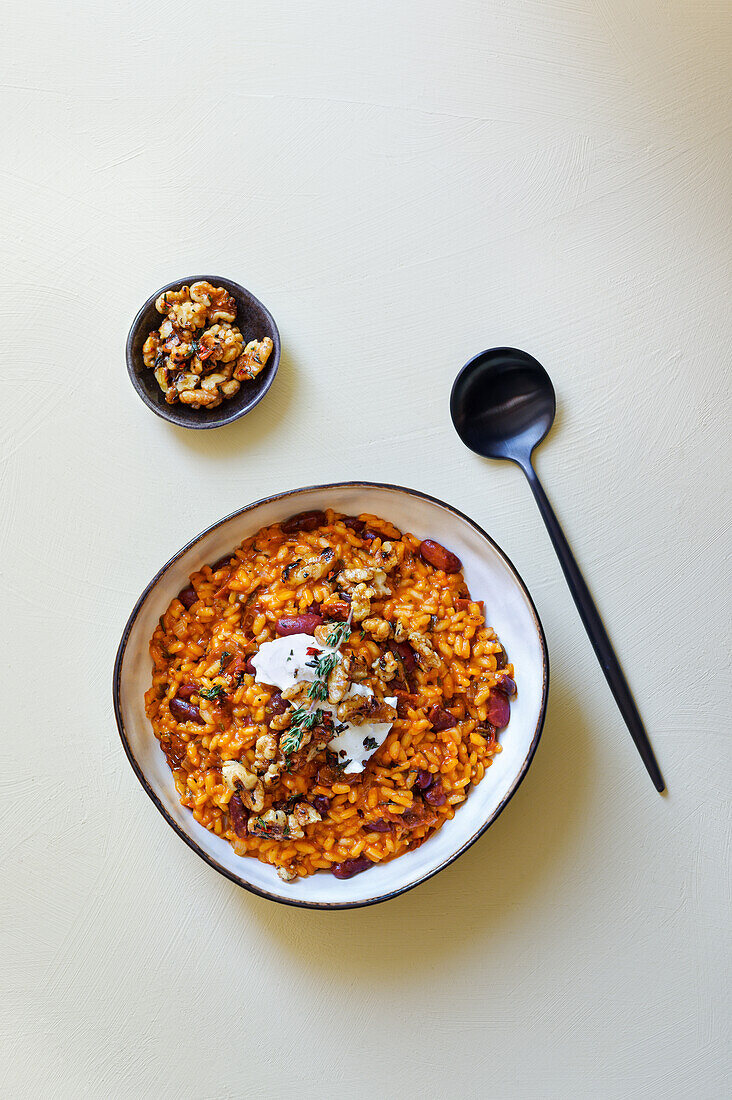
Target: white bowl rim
(139,772)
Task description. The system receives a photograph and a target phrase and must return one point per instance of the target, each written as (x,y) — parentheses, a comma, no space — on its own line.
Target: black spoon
(503,404)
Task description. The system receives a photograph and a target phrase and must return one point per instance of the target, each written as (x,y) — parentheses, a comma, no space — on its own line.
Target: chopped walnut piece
(356,575)
(305,814)
(358,709)
(286,874)
(265,750)
(311,569)
(339,680)
(358,669)
(386,557)
(253,359)
(272,824)
(423,649)
(361,602)
(386,667)
(236,776)
(379,628)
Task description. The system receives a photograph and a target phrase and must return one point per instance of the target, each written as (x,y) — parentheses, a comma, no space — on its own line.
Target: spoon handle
(593,625)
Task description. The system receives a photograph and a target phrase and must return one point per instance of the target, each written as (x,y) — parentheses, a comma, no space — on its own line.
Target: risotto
(327,694)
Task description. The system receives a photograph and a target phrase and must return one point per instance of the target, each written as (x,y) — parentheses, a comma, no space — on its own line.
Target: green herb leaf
(215,692)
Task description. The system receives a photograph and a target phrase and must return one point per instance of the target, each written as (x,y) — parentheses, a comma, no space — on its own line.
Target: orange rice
(236,604)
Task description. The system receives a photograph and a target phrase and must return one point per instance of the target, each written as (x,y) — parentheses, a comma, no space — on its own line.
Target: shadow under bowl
(253,320)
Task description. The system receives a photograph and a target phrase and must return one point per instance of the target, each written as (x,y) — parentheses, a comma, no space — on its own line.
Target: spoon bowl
(502,403)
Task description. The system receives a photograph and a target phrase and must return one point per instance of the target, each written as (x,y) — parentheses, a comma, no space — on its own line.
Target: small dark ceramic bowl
(254,321)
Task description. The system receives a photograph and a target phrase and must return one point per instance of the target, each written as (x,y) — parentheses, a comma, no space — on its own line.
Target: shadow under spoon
(503,405)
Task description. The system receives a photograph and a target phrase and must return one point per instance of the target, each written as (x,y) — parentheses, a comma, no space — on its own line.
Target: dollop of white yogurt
(286,662)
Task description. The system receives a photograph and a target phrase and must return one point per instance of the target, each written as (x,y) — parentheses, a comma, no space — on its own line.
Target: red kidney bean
(424,779)
(355,524)
(441,719)
(498,710)
(507,684)
(406,653)
(174,749)
(185,712)
(435,554)
(464,604)
(435,796)
(188,596)
(298,624)
(221,562)
(238,815)
(351,867)
(303,521)
(276,705)
(321,804)
(185,691)
(338,610)
(501,658)
(378,826)
(404,702)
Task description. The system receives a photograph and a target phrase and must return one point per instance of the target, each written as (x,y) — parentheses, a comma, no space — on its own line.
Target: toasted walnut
(305,814)
(358,709)
(286,874)
(272,774)
(386,666)
(379,585)
(281,721)
(227,338)
(186,381)
(359,669)
(216,301)
(361,602)
(400,633)
(253,359)
(298,693)
(178,307)
(422,647)
(236,776)
(169,298)
(339,681)
(386,557)
(179,346)
(272,823)
(322,633)
(254,799)
(356,574)
(228,389)
(265,751)
(212,381)
(200,398)
(379,628)
(309,569)
(151,350)
(294,829)
(162,377)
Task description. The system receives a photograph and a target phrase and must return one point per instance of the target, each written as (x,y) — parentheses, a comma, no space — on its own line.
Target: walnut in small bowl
(197,354)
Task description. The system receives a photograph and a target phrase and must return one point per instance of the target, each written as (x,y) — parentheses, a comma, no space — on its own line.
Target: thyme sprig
(307,718)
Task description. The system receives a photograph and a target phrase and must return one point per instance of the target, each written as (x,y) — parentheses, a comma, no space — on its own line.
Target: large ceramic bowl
(509,609)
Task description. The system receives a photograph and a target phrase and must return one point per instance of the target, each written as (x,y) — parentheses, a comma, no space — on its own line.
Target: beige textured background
(403,184)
